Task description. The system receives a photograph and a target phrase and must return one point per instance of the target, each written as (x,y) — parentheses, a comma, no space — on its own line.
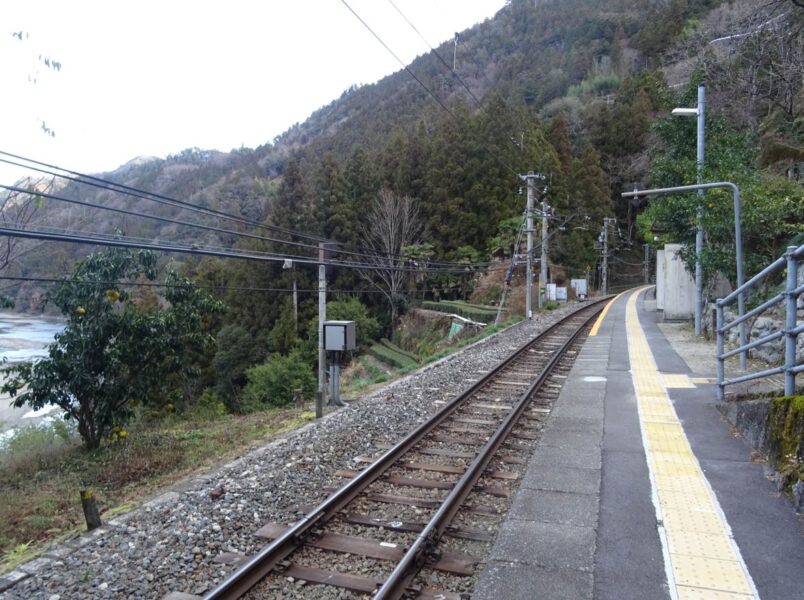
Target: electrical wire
(177,285)
(161,199)
(504,164)
(94,238)
(446,64)
(146,195)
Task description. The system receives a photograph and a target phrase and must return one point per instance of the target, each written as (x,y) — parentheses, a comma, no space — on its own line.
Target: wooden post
(90,507)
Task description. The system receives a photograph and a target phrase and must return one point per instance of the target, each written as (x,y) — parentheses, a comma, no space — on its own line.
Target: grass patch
(392,355)
(43,469)
(373,375)
(475,312)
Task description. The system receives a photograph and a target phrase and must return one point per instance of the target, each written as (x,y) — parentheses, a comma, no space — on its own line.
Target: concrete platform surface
(638,489)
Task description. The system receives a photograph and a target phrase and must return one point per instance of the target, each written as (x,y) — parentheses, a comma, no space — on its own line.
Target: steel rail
(398,581)
(266,560)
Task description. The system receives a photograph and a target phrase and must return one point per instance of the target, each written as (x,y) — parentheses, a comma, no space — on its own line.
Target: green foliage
(351,309)
(275,382)
(502,244)
(772,207)
(284,336)
(210,406)
(112,354)
(599,85)
(236,351)
(32,439)
(551,305)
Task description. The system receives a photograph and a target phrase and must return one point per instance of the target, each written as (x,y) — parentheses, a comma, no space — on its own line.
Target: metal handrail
(790,331)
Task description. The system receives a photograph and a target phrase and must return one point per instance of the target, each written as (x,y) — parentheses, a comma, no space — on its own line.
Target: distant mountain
(531,62)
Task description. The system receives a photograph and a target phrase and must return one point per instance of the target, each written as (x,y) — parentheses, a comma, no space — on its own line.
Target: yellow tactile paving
(692,593)
(709,573)
(703,561)
(677,380)
(699,544)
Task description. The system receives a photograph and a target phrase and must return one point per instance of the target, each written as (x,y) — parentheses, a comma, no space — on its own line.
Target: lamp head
(684,112)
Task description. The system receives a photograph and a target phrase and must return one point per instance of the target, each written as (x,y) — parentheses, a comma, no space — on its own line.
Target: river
(22,338)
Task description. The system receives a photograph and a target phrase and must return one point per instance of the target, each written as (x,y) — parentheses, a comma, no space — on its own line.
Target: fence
(792,329)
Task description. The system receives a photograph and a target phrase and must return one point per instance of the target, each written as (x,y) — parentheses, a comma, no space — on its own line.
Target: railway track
(417,519)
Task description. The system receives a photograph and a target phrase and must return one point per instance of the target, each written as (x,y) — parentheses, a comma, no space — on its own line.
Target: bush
(551,305)
(237,350)
(274,382)
(210,406)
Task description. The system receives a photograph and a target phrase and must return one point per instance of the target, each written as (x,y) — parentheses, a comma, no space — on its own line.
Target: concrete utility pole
(529,231)
(604,275)
(543,263)
(646,263)
(531,177)
(322,316)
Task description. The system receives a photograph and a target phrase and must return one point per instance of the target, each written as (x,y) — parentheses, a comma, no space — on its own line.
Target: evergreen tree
(292,208)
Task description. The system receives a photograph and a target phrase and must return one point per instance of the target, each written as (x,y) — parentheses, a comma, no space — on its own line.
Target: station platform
(639,489)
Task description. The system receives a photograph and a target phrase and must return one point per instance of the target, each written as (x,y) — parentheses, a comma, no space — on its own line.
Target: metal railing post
(721,369)
(790,341)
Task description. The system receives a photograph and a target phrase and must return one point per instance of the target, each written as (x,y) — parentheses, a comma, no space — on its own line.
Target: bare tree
(761,61)
(17,211)
(392,224)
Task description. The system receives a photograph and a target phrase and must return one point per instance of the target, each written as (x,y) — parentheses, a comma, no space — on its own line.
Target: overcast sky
(154,77)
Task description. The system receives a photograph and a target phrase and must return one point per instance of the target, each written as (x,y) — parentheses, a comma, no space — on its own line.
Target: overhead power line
(449,68)
(496,157)
(97,182)
(439,57)
(120,242)
(177,285)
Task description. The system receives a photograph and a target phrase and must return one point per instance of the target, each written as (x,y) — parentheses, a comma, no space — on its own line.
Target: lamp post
(738,238)
(699,113)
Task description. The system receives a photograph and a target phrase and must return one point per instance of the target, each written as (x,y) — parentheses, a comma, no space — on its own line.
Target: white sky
(154,77)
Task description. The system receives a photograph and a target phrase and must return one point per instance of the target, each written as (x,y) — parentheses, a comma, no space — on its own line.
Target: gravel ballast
(184,539)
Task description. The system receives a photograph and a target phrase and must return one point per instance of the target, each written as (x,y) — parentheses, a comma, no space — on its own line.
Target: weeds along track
(417,520)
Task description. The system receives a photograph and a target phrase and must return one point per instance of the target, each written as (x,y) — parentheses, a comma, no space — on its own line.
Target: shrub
(273,383)
(237,350)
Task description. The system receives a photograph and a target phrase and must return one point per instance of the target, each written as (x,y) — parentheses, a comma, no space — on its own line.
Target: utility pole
(646,263)
(530,178)
(529,231)
(322,316)
(455,52)
(604,275)
(543,262)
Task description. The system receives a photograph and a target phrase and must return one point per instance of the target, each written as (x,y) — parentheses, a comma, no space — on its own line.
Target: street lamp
(699,113)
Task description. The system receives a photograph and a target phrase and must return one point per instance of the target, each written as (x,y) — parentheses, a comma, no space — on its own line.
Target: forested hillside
(578,90)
